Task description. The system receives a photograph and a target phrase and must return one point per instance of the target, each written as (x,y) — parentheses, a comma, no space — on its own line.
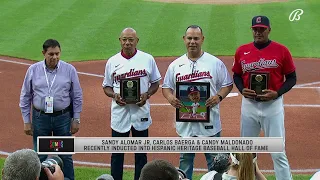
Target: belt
(55,113)
(258,99)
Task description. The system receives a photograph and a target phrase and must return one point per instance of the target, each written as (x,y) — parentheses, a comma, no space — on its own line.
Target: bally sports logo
(193,76)
(56,144)
(131,74)
(261,64)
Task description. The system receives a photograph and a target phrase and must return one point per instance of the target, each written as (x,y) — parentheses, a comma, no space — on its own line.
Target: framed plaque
(130,90)
(258,81)
(193,97)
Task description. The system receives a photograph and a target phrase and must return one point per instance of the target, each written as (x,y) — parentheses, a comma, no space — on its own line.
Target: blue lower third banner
(55,145)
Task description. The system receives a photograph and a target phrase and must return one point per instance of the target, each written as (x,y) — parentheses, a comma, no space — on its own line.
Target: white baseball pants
(268,116)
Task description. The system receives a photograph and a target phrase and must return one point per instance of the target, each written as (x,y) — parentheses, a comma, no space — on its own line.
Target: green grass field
(86,173)
(90,29)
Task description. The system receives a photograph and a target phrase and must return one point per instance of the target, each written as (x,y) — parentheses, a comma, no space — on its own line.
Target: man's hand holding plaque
(143,99)
(174,101)
(248,93)
(268,95)
(119,100)
(130,90)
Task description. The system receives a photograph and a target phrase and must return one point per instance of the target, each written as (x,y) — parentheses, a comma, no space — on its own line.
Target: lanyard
(194,63)
(54,78)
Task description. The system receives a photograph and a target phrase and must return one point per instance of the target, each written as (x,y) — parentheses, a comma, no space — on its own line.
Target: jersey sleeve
(155,74)
(108,79)
(236,68)
(168,81)
(224,76)
(288,65)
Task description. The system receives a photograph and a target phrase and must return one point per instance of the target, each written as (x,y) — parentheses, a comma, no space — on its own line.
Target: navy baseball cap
(260,21)
(192,89)
(220,163)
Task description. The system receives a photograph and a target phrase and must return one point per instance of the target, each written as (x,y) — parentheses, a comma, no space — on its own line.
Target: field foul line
(285,105)
(195,169)
(302,87)
(15,62)
(29,64)
(307,84)
(303,105)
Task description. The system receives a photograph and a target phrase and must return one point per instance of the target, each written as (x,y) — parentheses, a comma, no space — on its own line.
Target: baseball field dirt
(301,107)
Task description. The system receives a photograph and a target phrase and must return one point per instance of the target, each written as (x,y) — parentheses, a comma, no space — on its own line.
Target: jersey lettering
(131,74)
(261,64)
(193,76)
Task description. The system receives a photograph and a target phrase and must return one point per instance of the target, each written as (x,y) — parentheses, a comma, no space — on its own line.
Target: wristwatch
(220,97)
(77,120)
(148,94)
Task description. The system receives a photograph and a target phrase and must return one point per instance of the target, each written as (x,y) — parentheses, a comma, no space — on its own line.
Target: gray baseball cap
(105,177)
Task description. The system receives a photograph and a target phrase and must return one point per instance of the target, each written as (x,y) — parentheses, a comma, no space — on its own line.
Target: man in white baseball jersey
(197,66)
(195,106)
(130,63)
(194,96)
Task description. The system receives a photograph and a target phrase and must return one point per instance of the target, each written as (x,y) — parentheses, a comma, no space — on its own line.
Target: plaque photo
(258,82)
(130,90)
(193,97)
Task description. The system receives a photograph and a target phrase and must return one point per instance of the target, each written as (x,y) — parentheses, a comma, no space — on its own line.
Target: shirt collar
(261,46)
(126,56)
(45,65)
(199,58)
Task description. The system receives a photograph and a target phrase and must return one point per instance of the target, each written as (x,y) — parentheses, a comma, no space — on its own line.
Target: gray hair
(23,164)
(105,177)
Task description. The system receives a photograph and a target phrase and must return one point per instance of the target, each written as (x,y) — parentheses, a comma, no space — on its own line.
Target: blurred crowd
(25,164)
